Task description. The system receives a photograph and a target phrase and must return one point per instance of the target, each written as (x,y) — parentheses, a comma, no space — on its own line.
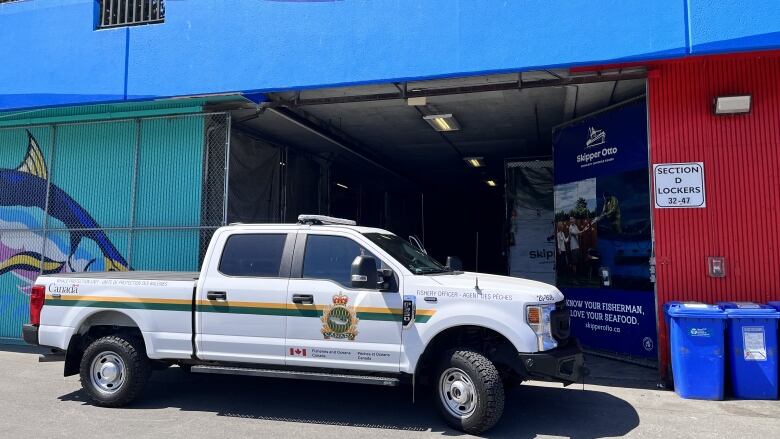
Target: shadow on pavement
(23,349)
(615,373)
(530,410)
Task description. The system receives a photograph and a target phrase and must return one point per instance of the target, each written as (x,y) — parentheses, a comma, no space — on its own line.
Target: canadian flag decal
(297,352)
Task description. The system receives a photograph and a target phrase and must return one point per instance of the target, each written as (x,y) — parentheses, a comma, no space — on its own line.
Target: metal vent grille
(114,13)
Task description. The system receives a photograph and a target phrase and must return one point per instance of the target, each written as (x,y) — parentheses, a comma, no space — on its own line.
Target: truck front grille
(559,322)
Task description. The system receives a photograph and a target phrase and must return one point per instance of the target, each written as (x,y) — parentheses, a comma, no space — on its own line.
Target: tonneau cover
(132,275)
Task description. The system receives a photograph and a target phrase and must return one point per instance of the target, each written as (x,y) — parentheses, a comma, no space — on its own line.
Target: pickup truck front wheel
(469,391)
(114,370)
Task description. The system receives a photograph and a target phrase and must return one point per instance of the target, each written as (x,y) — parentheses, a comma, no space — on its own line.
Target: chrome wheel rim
(107,372)
(457,393)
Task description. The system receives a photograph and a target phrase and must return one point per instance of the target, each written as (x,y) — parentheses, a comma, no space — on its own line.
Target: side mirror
(454,263)
(364,273)
(386,280)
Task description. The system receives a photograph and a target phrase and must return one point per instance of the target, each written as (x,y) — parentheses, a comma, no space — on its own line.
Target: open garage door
(382,159)
(465,165)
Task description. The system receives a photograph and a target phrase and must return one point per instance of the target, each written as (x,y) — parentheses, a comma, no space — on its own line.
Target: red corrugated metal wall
(741,156)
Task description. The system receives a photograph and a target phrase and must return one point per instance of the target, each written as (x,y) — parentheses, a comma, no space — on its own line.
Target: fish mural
(25,192)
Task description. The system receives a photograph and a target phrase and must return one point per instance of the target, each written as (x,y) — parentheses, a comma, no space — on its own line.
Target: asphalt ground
(617,400)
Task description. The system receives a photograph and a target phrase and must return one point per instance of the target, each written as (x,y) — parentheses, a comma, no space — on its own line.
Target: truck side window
(330,257)
(255,255)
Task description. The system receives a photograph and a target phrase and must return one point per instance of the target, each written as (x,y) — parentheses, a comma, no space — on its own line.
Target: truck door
(330,324)
(242,300)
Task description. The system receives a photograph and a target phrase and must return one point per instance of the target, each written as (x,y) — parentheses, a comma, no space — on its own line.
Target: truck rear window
(253,255)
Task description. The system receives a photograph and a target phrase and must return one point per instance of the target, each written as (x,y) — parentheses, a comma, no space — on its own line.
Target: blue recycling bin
(668,321)
(752,350)
(698,358)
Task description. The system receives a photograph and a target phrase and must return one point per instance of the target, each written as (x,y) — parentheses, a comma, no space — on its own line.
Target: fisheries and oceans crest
(339,320)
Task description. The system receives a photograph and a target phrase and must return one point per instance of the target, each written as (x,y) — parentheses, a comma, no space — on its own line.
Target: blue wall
(53,56)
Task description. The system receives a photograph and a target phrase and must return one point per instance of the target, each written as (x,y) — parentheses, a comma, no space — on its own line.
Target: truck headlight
(538,318)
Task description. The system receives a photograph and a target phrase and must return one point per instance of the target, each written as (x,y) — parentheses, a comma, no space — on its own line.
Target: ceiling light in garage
(442,122)
(732,104)
(475,162)
(491,183)
(417,102)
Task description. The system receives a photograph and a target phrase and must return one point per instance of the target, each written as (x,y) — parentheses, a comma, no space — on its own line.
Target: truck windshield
(416,261)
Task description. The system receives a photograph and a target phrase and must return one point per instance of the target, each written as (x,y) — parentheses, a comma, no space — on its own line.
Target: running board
(291,374)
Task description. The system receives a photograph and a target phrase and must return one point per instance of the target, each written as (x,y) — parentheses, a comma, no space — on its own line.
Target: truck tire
(114,370)
(469,391)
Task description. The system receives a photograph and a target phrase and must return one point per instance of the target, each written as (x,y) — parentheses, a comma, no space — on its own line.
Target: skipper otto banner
(602,229)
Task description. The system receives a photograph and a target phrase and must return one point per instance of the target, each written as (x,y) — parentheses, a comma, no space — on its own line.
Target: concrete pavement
(36,401)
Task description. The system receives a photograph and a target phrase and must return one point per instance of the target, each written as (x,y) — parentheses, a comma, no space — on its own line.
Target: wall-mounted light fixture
(732,104)
(474,162)
(442,122)
(491,183)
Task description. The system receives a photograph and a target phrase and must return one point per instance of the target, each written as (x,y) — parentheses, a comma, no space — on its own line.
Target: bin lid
(671,303)
(746,310)
(775,305)
(740,305)
(697,310)
(761,313)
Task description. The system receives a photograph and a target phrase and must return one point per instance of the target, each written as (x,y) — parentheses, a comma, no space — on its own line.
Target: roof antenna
(476,283)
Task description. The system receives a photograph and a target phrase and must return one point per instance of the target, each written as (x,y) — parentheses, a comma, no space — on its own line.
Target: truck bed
(132,275)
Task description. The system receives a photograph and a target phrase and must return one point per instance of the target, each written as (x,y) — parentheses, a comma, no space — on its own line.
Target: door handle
(303,299)
(216,295)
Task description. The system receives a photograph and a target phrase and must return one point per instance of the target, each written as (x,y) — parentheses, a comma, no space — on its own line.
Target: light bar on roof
(324,220)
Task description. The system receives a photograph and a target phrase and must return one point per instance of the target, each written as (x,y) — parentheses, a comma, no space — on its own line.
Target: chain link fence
(131,194)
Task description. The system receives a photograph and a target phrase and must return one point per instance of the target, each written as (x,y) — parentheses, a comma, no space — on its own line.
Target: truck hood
(490,283)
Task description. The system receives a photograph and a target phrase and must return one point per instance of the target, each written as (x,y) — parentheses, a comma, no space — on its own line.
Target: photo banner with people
(603,242)
(529,195)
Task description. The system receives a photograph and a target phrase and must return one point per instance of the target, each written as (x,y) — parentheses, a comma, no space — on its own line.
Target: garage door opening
(428,158)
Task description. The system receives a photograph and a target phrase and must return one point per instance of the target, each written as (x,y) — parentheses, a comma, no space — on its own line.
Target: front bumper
(563,364)
(30,334)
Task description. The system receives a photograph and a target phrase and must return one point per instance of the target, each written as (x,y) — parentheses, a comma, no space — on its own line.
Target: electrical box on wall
(716,266)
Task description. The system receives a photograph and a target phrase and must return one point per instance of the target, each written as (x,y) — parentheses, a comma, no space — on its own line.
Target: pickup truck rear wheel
(469,391)
(114,370)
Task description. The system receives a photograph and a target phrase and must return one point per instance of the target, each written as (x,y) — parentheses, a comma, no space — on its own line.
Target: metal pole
(476,264)
(103,13)
(385,221)
(227,170)
(284,183)
(133,191)
(651,200)
(422,216)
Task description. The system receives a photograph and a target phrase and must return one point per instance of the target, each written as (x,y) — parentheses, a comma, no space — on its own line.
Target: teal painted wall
(139,180)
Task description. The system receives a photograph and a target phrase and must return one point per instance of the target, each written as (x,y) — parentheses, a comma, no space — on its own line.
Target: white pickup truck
(322,299)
